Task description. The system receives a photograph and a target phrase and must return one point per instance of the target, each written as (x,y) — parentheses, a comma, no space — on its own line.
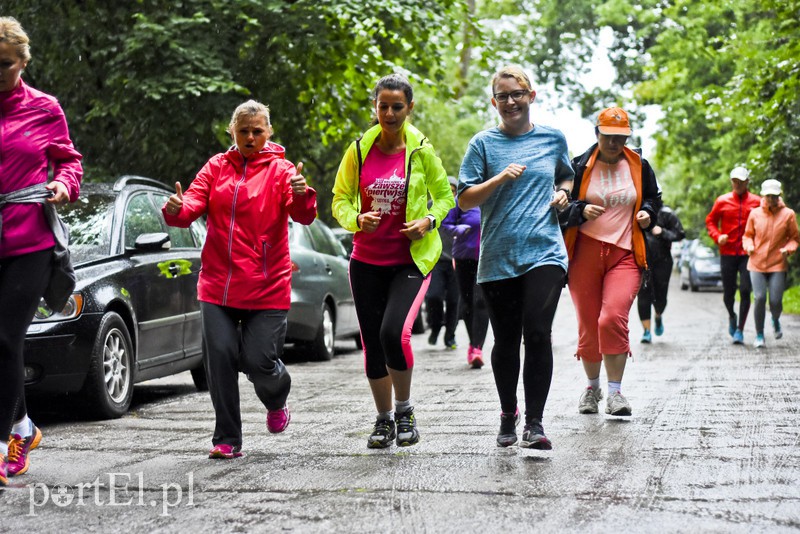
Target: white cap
(771,187)
(740,173)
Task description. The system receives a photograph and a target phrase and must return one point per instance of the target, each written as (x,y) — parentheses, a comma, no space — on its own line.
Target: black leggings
(655,294)
(250,341)
(524,307)
(387,300)
(23,280)
(473,305)
(730,267)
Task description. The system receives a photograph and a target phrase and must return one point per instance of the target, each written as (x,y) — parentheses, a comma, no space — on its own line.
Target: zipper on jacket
(230,234)
(408,170)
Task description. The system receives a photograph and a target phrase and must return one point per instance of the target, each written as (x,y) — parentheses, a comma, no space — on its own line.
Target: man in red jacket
(725,225)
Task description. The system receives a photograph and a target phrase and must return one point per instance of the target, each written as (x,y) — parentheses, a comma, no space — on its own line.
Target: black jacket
(659,247)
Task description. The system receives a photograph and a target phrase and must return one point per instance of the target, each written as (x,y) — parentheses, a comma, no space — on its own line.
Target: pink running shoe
(18,449)
(477,358)
(469,355)
(224,451)
(278,420)
(3,471)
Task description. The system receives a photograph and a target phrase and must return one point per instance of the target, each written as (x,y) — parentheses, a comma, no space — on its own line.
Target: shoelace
(406,421)
(14,448)
(382,427)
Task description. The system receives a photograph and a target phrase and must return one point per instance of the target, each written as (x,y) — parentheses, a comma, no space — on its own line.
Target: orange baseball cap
(613,121)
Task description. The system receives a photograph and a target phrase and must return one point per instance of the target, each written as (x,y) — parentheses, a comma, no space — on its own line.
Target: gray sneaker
(616,404)
(589,399)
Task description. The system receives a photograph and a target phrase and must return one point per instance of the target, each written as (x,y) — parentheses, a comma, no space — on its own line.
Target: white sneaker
(616,404)
(589,399)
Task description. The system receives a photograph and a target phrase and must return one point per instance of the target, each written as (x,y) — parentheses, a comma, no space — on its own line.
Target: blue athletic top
(519,229)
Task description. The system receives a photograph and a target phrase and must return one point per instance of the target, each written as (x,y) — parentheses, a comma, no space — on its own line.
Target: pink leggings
(603,281)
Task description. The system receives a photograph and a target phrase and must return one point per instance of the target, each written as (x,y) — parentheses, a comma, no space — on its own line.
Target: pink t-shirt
(611,186)
(383,189)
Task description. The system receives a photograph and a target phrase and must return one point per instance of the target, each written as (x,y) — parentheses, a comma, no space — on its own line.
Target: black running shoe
(382,435)
(508,429)
(407,433)
(533,437)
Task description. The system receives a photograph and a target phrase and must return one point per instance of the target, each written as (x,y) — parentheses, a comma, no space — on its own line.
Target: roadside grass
(791,300)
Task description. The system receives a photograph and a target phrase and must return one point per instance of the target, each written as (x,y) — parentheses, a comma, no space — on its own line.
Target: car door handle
(328,269)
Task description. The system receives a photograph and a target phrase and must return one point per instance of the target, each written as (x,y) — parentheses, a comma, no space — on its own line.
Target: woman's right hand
(175,202)
(512,172)
(593,211)
(369,221)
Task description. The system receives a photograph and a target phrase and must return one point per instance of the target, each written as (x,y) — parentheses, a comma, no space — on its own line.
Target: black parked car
(699,267)
(134,314)
(322,303)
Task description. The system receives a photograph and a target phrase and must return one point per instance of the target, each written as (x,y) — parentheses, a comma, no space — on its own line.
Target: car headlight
(71,310)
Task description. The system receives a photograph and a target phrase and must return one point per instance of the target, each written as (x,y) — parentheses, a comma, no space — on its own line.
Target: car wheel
(693,286)
(109,383)
(322,346)
(200,378)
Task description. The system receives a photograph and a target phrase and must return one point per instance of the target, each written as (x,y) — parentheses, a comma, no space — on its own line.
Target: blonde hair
(249,109)
(513,71)
(11,32)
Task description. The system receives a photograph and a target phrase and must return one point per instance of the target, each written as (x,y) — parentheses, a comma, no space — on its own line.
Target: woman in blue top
(511,171)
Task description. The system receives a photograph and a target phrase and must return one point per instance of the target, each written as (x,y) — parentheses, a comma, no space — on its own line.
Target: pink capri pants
(603,281)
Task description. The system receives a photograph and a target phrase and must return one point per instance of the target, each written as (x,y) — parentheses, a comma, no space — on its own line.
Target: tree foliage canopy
(149,85)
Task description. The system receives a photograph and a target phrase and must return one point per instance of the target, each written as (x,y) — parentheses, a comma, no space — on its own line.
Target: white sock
(594,383)
(3,449)
(403,406)
(386,416)
(23,427)
(613,387)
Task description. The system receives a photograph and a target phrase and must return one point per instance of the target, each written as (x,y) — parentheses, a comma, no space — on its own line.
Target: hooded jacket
(424,174)
(33,135)
(247,202)
(770,231)
(648,198)
(729,216)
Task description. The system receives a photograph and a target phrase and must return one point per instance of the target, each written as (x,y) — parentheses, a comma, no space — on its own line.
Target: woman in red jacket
(247,195)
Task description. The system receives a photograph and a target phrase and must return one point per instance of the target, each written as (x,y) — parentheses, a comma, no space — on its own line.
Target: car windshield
(704,252)
(89,221)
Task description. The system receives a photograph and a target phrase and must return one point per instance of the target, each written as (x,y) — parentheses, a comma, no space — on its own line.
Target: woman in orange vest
(616,198)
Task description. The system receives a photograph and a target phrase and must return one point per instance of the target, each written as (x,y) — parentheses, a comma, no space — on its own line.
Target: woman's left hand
(415,230)
(643,218)
(60,193)
(299,185)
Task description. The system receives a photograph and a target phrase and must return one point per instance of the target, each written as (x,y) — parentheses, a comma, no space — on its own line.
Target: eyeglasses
(516,96)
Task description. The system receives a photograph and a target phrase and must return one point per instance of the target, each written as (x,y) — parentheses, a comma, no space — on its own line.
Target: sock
(3,449)
(594,383)
(614,387)
(402,406)
(23,427)
(386,416)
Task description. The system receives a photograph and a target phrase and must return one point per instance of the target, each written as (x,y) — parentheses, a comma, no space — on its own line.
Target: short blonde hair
(249,109)
(11,32)
(513,71)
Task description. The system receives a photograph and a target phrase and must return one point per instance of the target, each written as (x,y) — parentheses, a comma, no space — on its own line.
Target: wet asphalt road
(712,447)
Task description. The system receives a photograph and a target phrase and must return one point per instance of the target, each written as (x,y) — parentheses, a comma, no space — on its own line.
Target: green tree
(148,85)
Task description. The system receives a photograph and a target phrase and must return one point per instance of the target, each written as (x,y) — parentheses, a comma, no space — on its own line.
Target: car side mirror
(153,242)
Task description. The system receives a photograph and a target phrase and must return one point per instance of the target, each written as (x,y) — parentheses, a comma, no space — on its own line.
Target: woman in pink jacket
(33,138)
(247,194)
(770,237)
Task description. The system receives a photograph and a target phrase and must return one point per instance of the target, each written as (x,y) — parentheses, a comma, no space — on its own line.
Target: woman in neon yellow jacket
(381,194)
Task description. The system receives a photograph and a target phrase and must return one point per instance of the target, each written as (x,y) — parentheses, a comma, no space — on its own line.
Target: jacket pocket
(264,254)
